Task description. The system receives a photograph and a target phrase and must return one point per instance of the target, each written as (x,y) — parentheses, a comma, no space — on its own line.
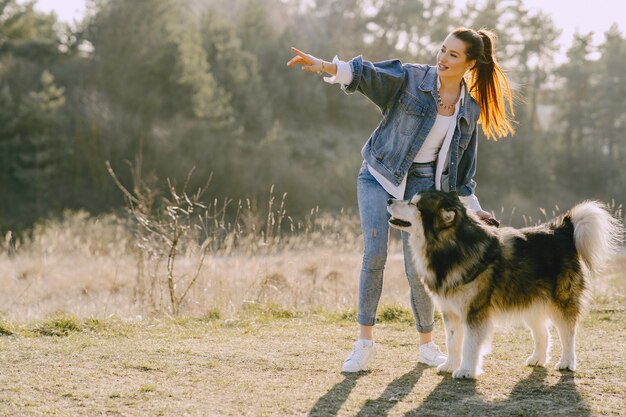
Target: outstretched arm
(378,81)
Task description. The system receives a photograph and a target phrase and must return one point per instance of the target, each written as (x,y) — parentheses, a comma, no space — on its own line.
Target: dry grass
(263,365)
(89,267)
(265,334)
(93,267)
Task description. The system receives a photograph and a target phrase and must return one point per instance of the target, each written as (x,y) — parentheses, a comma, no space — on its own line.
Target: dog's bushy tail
(597,234)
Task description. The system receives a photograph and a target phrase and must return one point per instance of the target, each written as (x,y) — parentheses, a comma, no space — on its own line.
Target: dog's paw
(464,374)
(446,367)
(536,360)
(565,365)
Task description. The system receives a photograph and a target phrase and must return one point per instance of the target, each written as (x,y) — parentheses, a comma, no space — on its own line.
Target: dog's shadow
(531,396)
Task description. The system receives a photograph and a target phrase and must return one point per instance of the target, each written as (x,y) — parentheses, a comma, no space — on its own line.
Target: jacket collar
(431,82)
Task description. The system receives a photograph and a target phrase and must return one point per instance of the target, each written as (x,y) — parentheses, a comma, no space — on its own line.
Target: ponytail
(488,83)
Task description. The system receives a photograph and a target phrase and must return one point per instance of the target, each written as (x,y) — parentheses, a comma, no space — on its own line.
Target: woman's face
(451,58)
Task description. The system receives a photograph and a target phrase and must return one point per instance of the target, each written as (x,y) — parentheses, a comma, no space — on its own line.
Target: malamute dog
(477,273)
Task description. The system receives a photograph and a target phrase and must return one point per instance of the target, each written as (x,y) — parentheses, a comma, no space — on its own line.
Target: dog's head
(429,214)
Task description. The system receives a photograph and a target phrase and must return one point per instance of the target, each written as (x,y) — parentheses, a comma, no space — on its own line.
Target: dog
(477,274)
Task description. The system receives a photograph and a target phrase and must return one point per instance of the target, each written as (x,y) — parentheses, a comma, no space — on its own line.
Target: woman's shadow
(330,403)
(531,396)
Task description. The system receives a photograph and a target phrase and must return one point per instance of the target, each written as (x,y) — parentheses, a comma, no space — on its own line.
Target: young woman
(427,139)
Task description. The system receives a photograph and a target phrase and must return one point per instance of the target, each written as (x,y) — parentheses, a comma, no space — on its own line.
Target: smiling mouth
(442,67)
(398,222)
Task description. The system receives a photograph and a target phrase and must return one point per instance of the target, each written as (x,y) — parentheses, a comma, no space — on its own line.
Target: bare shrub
(164,230)
(193,226)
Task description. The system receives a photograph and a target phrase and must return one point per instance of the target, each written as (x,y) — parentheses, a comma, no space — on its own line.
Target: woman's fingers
(300,58)
(309,63)
(484,214)
(298,52)
(294,61)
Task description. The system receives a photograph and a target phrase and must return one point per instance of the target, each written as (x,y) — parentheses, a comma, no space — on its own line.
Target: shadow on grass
(331,402)
(530,397)
(395,392)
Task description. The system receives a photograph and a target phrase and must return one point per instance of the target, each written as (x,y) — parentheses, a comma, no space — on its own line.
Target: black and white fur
(477,273)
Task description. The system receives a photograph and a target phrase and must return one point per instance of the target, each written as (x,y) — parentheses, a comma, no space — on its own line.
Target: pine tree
(150,61)
(574,104)
(610,97)
(40,147)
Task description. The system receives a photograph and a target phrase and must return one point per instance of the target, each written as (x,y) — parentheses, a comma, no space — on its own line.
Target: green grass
(395,313)
(5,329)
(63,325)
(147,388)
(271,363)
(58,326)
(267,312)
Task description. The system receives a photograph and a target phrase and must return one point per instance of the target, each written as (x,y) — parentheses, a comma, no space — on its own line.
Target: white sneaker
(358,358)
(431,355)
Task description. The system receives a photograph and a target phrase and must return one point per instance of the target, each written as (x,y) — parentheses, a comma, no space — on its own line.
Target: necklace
(445,106)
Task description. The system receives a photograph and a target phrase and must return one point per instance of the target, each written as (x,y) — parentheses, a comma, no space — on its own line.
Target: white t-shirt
(432,144)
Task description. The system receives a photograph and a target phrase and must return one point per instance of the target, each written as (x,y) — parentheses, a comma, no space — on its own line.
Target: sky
(66,10)
(568,15)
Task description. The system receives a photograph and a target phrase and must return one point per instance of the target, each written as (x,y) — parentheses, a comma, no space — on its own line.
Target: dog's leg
(454,341)
(567,334)
(539,327)
(475,337)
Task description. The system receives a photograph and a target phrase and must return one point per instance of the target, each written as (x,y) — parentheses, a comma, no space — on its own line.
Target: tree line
(167,85)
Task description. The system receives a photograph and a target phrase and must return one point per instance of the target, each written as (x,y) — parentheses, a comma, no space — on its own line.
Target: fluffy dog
(478,273)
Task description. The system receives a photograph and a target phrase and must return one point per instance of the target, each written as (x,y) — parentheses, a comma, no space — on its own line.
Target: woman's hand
(309,62)
(487,218)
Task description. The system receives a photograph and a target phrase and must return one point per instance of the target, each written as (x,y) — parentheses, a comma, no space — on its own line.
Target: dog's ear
(454,194)
(447,216)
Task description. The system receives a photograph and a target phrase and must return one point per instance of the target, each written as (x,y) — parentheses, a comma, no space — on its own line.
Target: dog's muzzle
(394,221)
(400,223)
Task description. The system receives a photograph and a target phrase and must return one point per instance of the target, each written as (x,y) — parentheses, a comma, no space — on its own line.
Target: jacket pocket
(465,140)
(410,115)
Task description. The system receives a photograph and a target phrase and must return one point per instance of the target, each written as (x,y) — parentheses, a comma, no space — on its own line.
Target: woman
(427,139)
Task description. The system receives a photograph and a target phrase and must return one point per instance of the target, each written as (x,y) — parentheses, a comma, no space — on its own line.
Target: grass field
(263,364)
(262,335)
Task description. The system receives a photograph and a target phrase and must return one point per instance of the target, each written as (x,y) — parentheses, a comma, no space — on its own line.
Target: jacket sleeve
(378,81)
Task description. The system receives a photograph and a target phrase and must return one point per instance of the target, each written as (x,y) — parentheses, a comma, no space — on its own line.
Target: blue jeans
(372,199)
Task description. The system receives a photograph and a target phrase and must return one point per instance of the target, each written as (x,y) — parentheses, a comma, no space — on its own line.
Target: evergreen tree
(610,97)
(574,104)
(609,104)
(40,146)
(151,62)
(237,71)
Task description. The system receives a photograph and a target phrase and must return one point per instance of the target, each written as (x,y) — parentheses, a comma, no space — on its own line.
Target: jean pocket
(364,171)
(427,171)
(419,184)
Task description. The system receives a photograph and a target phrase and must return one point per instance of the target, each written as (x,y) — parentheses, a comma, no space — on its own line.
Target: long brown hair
(488,83)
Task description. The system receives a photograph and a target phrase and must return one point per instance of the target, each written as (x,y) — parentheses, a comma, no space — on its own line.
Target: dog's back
(552,262)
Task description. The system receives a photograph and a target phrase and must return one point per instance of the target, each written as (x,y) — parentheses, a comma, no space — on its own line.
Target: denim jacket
(406,94)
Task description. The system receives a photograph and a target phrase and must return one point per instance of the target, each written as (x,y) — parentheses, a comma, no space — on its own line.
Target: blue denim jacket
(407,97)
